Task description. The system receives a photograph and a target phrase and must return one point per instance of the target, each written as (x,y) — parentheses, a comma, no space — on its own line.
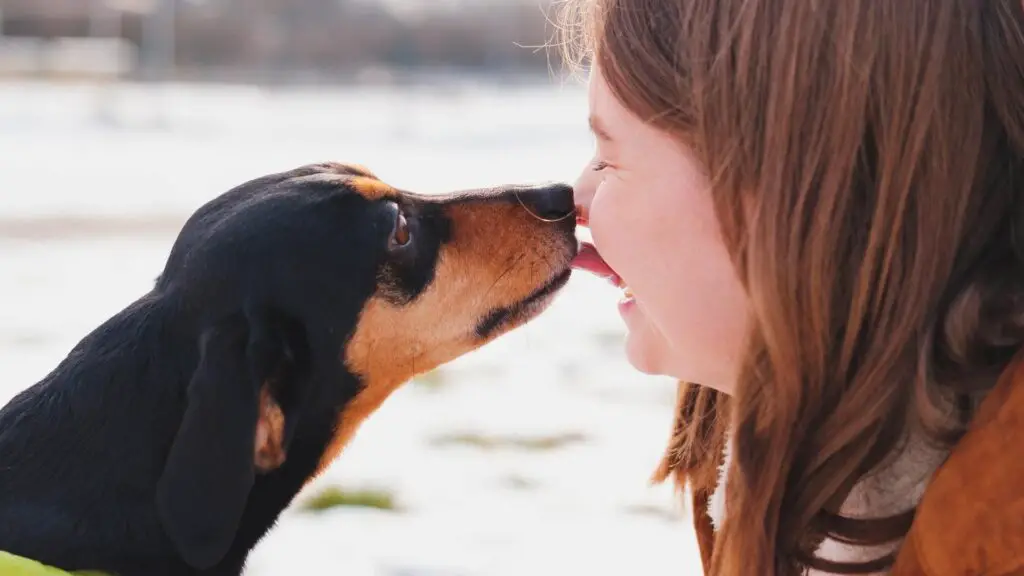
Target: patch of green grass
(653,511)
(609,339)
(335,496)
(569,371)
(496,442)
(516,482)
(22,340)
(433,380)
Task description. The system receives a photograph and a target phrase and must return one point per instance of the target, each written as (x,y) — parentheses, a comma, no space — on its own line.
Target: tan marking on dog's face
(371,188)
(498,255)
(269,449)
(359,170)
(343,169)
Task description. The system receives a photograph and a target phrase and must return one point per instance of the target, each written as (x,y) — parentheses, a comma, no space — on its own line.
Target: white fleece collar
(890,490)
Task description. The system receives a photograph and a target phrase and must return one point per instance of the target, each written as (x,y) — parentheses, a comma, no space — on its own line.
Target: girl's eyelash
(599,165)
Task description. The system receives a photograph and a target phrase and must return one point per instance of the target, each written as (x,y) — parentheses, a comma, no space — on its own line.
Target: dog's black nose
(551,202)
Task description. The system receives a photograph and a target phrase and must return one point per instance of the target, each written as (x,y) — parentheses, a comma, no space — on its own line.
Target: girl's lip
(589,259)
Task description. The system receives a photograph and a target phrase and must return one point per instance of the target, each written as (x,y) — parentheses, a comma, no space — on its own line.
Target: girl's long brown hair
(866,165)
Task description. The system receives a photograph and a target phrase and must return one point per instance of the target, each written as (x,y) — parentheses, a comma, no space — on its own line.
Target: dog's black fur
(134,456)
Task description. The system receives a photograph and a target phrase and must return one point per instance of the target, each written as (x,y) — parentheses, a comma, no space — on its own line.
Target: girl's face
(648,205)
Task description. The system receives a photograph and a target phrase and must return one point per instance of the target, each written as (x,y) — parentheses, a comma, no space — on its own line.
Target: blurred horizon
(280,42)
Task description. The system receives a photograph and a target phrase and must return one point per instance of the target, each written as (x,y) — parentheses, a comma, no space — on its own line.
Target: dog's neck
(144,380)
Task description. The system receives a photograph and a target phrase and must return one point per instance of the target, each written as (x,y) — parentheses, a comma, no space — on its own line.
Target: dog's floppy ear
(209,471)
(279,353)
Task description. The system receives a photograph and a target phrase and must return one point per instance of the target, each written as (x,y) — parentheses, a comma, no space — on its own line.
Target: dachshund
(172,436)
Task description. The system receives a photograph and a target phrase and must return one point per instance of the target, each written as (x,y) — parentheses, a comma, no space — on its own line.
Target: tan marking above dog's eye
(401,235)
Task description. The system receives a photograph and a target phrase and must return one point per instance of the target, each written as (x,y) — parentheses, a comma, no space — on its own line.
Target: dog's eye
(401,235)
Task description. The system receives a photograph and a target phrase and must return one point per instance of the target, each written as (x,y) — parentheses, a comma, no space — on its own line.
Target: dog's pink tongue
(590,260)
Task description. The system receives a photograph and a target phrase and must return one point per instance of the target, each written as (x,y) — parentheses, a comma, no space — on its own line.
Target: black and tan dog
(171,437)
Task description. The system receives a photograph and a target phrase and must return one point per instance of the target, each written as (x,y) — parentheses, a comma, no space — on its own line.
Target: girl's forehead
(614,125)
(609,120)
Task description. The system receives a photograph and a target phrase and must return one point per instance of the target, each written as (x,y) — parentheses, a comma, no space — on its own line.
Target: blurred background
(118,118)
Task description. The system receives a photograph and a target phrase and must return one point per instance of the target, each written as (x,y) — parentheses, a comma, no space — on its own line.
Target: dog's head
(314,293)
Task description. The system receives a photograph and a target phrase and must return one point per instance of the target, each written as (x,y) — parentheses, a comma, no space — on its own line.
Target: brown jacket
(970,521)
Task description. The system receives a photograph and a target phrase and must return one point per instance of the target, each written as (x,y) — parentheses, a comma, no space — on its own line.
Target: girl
(814,210)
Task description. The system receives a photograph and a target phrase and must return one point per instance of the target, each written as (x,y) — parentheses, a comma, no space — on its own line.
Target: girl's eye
(599,165)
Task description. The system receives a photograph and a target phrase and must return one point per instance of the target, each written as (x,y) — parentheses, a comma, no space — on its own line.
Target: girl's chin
(643,353)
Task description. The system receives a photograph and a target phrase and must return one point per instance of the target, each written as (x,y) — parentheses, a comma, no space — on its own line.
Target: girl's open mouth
(589,259)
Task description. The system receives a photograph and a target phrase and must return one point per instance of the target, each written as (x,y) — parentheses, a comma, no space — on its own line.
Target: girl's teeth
(627,292)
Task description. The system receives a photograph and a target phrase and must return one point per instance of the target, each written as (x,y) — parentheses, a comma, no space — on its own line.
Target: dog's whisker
(519,199)
(504,273)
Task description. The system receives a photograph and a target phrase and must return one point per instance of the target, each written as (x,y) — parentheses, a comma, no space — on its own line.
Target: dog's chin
(501,320)
(538,301)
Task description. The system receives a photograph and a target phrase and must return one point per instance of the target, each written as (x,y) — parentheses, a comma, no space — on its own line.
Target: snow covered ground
(96,180)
